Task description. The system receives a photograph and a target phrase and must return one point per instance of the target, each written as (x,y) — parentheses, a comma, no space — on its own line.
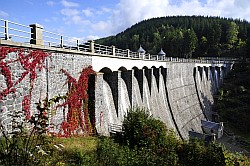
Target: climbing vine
(77,118)
(77,101)
(31,61)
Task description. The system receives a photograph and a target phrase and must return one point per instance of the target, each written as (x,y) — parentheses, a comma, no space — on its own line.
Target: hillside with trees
(233,99)
(186,36)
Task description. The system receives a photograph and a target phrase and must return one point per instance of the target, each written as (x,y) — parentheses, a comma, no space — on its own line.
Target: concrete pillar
(128,52)
(206,73)
(118,98)
(213,79)
(92,46)
(156,72)
(127,77)
(139,76)
(36,34)
(218,76)
(200,70)
(101,114)
(113,80)
(148,74)
(113,50)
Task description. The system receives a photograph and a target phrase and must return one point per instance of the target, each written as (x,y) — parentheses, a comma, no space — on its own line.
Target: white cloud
(101,26)
(69,12)
(54,19)
(69,3)
(88,12)
(3,14)
(129,12)
(106,21)
(91,37)
(106,10)
(136,10)
(72,16)
(80,21)
(103,10)
(50,3)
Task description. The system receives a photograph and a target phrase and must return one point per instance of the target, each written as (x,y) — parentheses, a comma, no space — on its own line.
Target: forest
(186,36)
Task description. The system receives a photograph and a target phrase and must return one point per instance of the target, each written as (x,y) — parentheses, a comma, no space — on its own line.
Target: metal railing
(35,34)
(15,31)
(56,40)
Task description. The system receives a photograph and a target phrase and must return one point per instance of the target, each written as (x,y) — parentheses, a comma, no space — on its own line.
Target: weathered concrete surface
(183,98)
(180,95)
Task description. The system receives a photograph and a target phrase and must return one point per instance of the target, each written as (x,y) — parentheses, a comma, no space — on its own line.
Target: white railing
(14,31)
(101,49)
(35,34)
(56,40)
(121,52)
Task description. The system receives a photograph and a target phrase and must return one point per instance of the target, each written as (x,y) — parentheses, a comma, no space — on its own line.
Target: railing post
(61,41)
(6,29)
(92,46)
(77,44)
(113,50)
(36,34)
(128,52)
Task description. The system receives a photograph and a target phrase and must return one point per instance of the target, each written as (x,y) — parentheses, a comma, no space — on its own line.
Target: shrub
(153,141)
(111,153)
(195,152)
(142,130)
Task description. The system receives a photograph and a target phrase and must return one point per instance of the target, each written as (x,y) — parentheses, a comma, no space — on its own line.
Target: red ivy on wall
(77,101)
(77,97)
(30,61)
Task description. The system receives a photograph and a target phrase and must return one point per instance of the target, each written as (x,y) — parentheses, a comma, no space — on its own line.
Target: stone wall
(50,80)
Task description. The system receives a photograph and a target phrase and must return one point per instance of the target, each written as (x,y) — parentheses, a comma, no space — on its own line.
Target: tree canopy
(186,36)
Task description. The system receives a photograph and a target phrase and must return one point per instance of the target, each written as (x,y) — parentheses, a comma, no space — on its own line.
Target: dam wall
(178,93)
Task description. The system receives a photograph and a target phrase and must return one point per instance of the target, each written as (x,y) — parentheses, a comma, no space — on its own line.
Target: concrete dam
(177,91)
(179,94)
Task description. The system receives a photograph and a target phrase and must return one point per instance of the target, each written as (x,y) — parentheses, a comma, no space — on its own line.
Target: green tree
(232,34)
(190,43)
(135,42)
(203,46)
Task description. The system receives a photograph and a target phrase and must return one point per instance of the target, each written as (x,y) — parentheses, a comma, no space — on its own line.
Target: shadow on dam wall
(180,95)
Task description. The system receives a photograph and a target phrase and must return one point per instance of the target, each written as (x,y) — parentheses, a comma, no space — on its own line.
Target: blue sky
(91,19)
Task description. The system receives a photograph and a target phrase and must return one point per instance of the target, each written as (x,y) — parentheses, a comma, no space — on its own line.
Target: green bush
(142,130)
(79,157)
(111,153)
(194,152)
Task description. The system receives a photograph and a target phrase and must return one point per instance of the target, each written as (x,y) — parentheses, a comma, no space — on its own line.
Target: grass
(79,143)
(78,150)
